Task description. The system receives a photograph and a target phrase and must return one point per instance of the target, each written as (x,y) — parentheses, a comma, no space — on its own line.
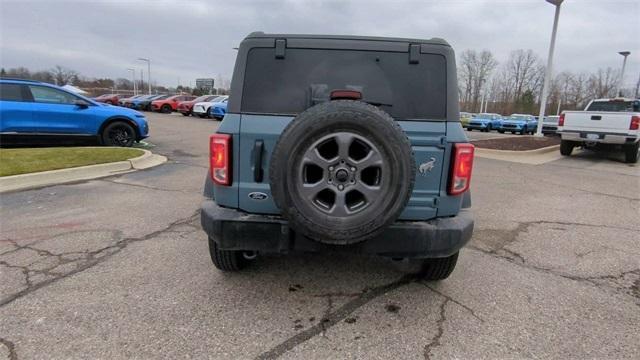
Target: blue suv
(340,143)
(485,122)
(34,110)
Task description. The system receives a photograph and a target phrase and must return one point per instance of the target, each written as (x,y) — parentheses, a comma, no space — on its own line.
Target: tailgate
(598,121)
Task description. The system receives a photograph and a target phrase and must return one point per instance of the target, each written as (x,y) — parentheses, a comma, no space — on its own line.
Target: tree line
(61,76)
(515,85)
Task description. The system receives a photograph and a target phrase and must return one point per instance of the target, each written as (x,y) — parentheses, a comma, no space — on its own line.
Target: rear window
(11,92)
(621,106)
(306,77)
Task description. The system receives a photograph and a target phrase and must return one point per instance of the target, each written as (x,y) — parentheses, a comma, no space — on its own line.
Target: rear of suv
(340,143)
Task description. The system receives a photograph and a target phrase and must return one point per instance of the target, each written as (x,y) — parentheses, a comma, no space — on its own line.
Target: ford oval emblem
(257,196)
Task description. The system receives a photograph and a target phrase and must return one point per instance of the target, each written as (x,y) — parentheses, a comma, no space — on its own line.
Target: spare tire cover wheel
(342,171)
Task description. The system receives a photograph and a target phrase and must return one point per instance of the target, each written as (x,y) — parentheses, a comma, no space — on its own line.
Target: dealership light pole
(624,65)
(133,77)
(548,72)
(148,72)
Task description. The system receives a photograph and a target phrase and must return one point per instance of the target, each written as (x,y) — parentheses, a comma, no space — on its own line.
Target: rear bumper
(549,129)
(603,138)
(235,230)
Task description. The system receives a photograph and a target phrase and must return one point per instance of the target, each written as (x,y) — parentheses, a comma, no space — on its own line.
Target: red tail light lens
(561,120)
(461,169)
(220,158)
(635,123)
(346,94)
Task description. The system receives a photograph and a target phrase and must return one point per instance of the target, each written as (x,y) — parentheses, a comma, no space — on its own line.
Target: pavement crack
(11,348)
(592,280)
(334,317)
(449,298)
(91,259)
(435,341)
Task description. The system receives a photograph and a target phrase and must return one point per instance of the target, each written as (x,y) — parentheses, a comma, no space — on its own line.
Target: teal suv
(340,143)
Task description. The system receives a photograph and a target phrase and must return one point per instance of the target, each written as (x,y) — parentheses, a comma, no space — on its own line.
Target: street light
(624,64)
(133,77)
(548,72)
(148,72)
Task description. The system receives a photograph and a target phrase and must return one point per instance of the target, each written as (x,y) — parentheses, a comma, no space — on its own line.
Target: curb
(89,172)
(543,150)
(531,157)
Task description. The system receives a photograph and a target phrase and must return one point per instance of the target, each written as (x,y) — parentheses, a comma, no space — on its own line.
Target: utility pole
(133,78)
(549,72)
(148,71)
(624,65)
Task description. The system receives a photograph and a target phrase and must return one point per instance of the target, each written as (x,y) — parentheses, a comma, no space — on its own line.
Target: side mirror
(81,104)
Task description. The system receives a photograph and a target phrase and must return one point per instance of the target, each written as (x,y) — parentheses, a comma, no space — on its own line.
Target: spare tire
(341,172)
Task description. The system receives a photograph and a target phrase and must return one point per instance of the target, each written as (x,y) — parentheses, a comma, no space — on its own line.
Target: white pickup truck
(604,124)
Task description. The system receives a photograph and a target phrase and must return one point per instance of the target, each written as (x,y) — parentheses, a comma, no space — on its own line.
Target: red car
(170,104)
(185,107)
(111,99)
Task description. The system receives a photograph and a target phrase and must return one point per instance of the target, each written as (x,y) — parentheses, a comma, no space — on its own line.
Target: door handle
(596,117)
(258,148)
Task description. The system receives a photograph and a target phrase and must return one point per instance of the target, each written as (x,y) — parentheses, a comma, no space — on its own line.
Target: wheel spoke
(310,191)
(344,141)
(372,159)
(370,193)
(340,206)
(312,156)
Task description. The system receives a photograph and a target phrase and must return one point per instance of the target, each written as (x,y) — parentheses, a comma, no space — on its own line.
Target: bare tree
(63,76)
(476,68)
(603,83)
(523,68)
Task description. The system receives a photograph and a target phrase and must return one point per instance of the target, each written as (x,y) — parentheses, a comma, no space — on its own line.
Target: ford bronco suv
(340,143)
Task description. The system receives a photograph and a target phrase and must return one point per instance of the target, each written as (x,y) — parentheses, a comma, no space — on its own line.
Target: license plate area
(593,136)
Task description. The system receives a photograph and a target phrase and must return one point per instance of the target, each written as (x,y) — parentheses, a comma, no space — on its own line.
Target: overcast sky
(190,39)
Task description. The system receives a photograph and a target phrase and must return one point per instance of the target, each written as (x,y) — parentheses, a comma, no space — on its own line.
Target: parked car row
(515,123)
(211,106)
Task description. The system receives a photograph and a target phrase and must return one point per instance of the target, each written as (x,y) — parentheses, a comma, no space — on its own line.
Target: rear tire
(469,129)
(631,153)
(566,147)
(185,114)
(439,268)
(118,133)
(501,131)
(165,109)
(226,260)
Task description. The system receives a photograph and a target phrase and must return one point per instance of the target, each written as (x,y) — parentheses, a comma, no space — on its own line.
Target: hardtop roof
(262,35)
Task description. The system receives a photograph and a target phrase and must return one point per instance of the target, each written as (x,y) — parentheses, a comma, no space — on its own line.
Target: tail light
(220,158)
(635,123)
(561,120)
(461,169)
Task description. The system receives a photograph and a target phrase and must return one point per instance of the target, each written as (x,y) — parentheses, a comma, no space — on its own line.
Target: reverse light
(561,120)
(220,158)
(635,123)
(461,169)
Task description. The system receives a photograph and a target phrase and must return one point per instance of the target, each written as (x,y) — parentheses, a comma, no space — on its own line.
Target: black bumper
(235,230)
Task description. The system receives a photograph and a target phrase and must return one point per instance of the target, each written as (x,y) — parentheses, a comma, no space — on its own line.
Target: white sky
(192,39)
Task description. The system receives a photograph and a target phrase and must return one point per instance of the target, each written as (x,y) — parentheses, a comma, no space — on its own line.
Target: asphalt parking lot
(119,268)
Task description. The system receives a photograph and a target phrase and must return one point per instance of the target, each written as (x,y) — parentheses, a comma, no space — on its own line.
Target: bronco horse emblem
(427,166)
